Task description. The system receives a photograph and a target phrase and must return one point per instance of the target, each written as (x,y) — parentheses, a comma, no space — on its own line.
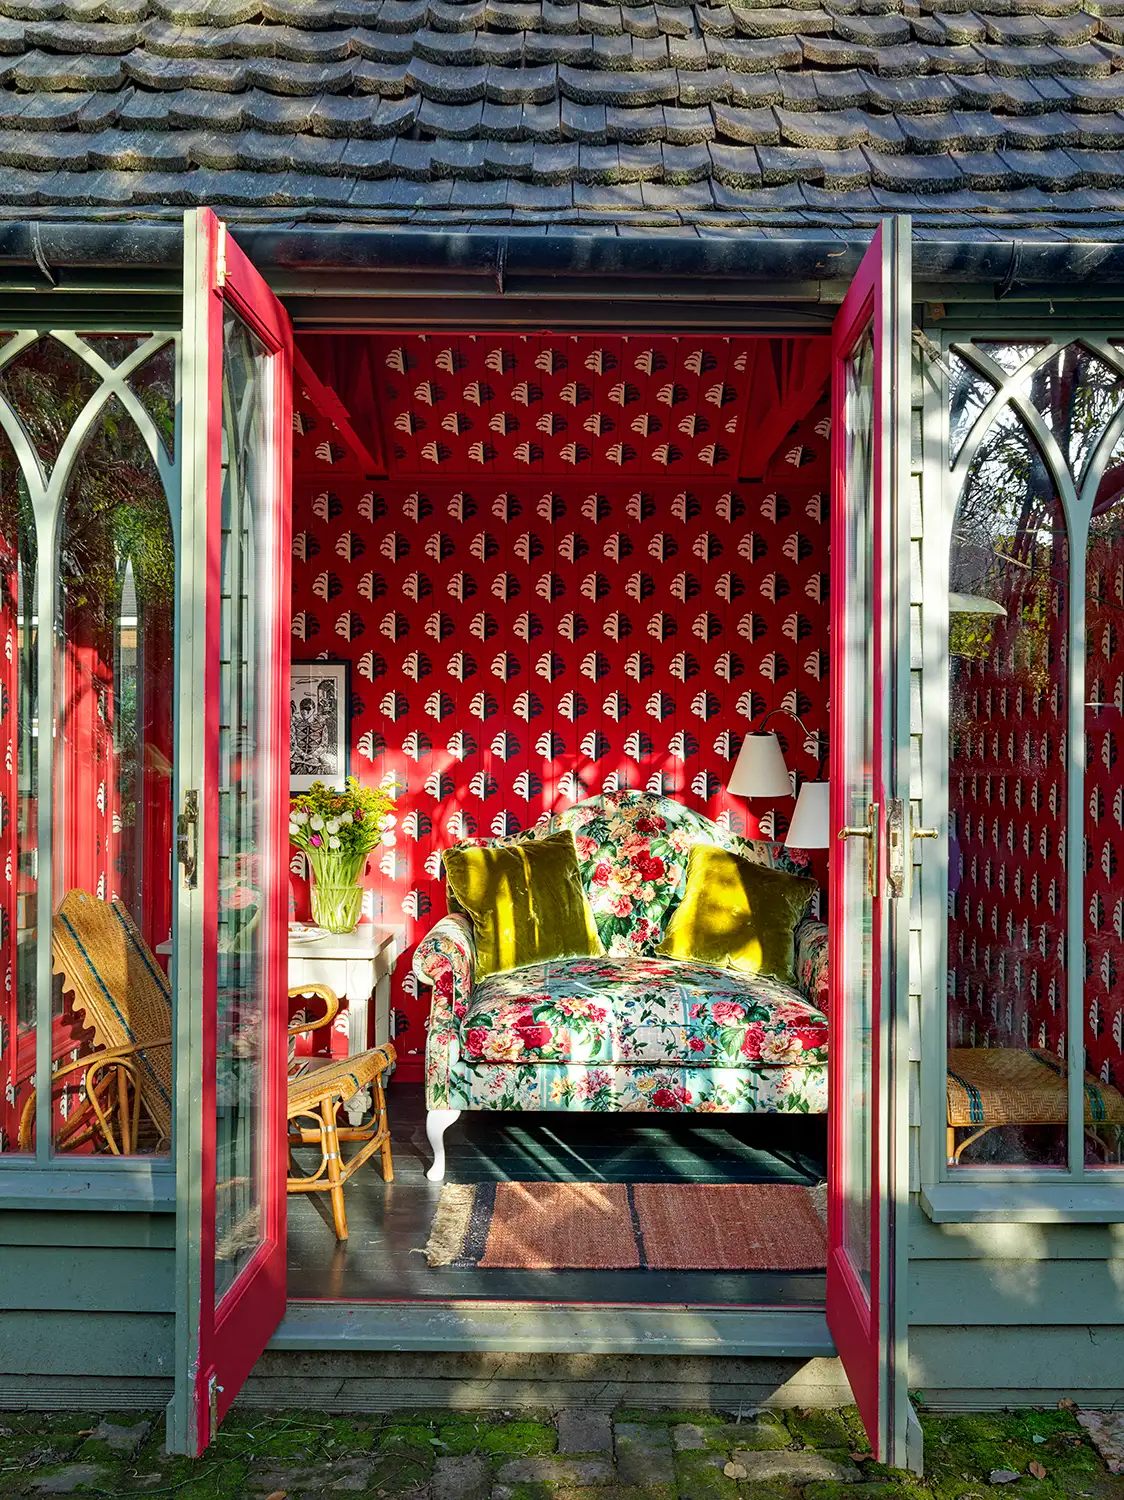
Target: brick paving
(574,1454)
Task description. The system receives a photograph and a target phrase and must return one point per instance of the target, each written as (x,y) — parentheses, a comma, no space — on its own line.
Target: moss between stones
(519,1438)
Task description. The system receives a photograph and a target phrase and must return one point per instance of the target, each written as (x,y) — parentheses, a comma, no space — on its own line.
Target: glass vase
(336,904)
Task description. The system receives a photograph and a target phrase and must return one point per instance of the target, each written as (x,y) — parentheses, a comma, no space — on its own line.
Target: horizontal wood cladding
(1012,1293)
(1032,1365)
(42,1344)
(64,1279)
(1012,1241)
(98,1393)
(95,1230)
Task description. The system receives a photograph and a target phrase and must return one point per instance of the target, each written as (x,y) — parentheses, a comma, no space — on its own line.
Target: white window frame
(1031,1194)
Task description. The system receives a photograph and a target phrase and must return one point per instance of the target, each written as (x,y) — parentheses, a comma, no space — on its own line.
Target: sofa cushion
(737,914)
(633,849)
(526,902)
(640,1010)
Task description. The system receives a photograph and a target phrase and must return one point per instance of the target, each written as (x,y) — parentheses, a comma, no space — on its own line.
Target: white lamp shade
(811,818)
(759,770)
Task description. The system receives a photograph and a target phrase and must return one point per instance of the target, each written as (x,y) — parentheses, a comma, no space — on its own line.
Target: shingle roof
(492,111)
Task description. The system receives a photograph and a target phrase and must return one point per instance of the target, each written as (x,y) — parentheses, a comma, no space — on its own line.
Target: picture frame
(319,716)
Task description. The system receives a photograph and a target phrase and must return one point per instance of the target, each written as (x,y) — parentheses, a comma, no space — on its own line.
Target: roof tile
(650,114)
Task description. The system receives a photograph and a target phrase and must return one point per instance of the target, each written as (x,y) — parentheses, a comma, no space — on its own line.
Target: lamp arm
(788,715)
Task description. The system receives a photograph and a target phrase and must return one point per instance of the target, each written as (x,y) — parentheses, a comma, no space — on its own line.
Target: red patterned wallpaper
(1007,927)
(1104,799)
(525,634)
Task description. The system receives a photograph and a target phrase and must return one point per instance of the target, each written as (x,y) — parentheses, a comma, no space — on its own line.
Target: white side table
(358,966)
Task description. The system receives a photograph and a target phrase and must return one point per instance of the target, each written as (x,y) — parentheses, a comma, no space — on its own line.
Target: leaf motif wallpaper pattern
(523,635)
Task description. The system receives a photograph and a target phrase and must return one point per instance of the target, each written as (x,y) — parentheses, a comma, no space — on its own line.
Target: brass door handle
(864,831)
(925,833)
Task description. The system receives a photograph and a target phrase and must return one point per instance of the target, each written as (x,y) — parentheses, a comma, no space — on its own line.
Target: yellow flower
(646,1084)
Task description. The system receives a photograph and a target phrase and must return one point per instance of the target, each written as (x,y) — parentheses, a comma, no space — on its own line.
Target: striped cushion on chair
(1012,1086)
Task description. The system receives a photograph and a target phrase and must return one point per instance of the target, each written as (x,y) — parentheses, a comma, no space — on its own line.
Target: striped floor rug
(612,1226)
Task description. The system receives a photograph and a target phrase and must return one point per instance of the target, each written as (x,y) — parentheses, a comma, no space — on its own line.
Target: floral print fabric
(640,1010)
(633,850)
(588,1087)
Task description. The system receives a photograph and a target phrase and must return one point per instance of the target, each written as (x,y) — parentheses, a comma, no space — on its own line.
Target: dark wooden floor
(389,1224)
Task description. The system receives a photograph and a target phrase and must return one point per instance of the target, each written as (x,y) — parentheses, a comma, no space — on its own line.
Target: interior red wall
(518,643)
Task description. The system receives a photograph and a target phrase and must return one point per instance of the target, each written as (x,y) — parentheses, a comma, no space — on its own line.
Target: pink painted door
(869,789)
(231,937)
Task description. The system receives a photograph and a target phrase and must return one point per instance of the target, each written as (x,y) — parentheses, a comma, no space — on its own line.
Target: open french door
(867,1193)
(231,908)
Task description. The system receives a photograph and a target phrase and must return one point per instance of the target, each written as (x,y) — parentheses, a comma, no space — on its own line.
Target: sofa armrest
(446,959)
(811,943)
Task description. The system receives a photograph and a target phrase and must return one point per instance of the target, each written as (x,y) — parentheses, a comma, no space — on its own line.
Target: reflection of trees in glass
(1076,394)
(47,385)
(116,583)
(1009,547)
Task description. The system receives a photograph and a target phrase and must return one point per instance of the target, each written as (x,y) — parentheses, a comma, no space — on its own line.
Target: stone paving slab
(575,1454)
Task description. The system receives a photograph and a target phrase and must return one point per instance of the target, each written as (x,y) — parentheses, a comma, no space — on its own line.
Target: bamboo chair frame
(317,1096)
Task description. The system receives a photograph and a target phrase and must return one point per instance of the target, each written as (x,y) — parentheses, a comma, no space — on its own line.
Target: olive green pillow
(526,902)
(737,915)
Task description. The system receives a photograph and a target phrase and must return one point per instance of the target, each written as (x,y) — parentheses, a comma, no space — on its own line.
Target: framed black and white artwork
(318,722)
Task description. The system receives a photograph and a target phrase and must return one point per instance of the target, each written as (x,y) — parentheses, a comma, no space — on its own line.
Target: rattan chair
(318,1090)
(988,1087)
(120,994)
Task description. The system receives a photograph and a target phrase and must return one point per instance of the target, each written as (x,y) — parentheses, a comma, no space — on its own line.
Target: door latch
(187,839)
(896,855)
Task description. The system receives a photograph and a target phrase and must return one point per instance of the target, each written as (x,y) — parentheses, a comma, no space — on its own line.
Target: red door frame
(864,1327)
(229,1338)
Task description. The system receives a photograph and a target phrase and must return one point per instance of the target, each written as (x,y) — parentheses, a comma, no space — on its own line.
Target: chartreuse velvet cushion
(737,915)
(526,902)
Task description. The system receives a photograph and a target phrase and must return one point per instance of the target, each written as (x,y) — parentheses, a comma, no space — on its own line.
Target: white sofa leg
(437,1121)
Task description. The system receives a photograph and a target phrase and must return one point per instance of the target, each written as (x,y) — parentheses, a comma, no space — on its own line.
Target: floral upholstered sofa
(630,1030)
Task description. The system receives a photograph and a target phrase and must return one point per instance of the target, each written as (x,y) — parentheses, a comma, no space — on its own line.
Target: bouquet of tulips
(338,830)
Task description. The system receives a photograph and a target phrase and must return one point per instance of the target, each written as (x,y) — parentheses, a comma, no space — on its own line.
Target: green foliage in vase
(338,829)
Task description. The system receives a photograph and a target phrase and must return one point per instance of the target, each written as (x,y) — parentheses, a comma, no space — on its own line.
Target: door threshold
(547,1328)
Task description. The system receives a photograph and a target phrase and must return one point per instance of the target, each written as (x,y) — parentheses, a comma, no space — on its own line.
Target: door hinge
(220,256)
(187,838)
(214,1390)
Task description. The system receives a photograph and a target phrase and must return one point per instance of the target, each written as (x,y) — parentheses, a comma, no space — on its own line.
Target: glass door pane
(245,701)
(860,809)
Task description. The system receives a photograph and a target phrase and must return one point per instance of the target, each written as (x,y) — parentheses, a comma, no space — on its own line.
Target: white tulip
(332,826)
(298,816)
(316,824)
(293,830)
(346,818)
(333,843)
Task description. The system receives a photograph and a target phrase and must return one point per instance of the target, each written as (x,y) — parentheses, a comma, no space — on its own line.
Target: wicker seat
(317,1093)
(121,994)
(992,1086)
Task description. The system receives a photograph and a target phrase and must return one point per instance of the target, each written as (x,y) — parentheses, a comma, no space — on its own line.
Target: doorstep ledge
(799,1333)
(1035,1203)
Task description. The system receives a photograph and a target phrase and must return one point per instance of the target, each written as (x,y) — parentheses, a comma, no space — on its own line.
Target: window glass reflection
(1103,905)
(112,836)
(1008,674)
